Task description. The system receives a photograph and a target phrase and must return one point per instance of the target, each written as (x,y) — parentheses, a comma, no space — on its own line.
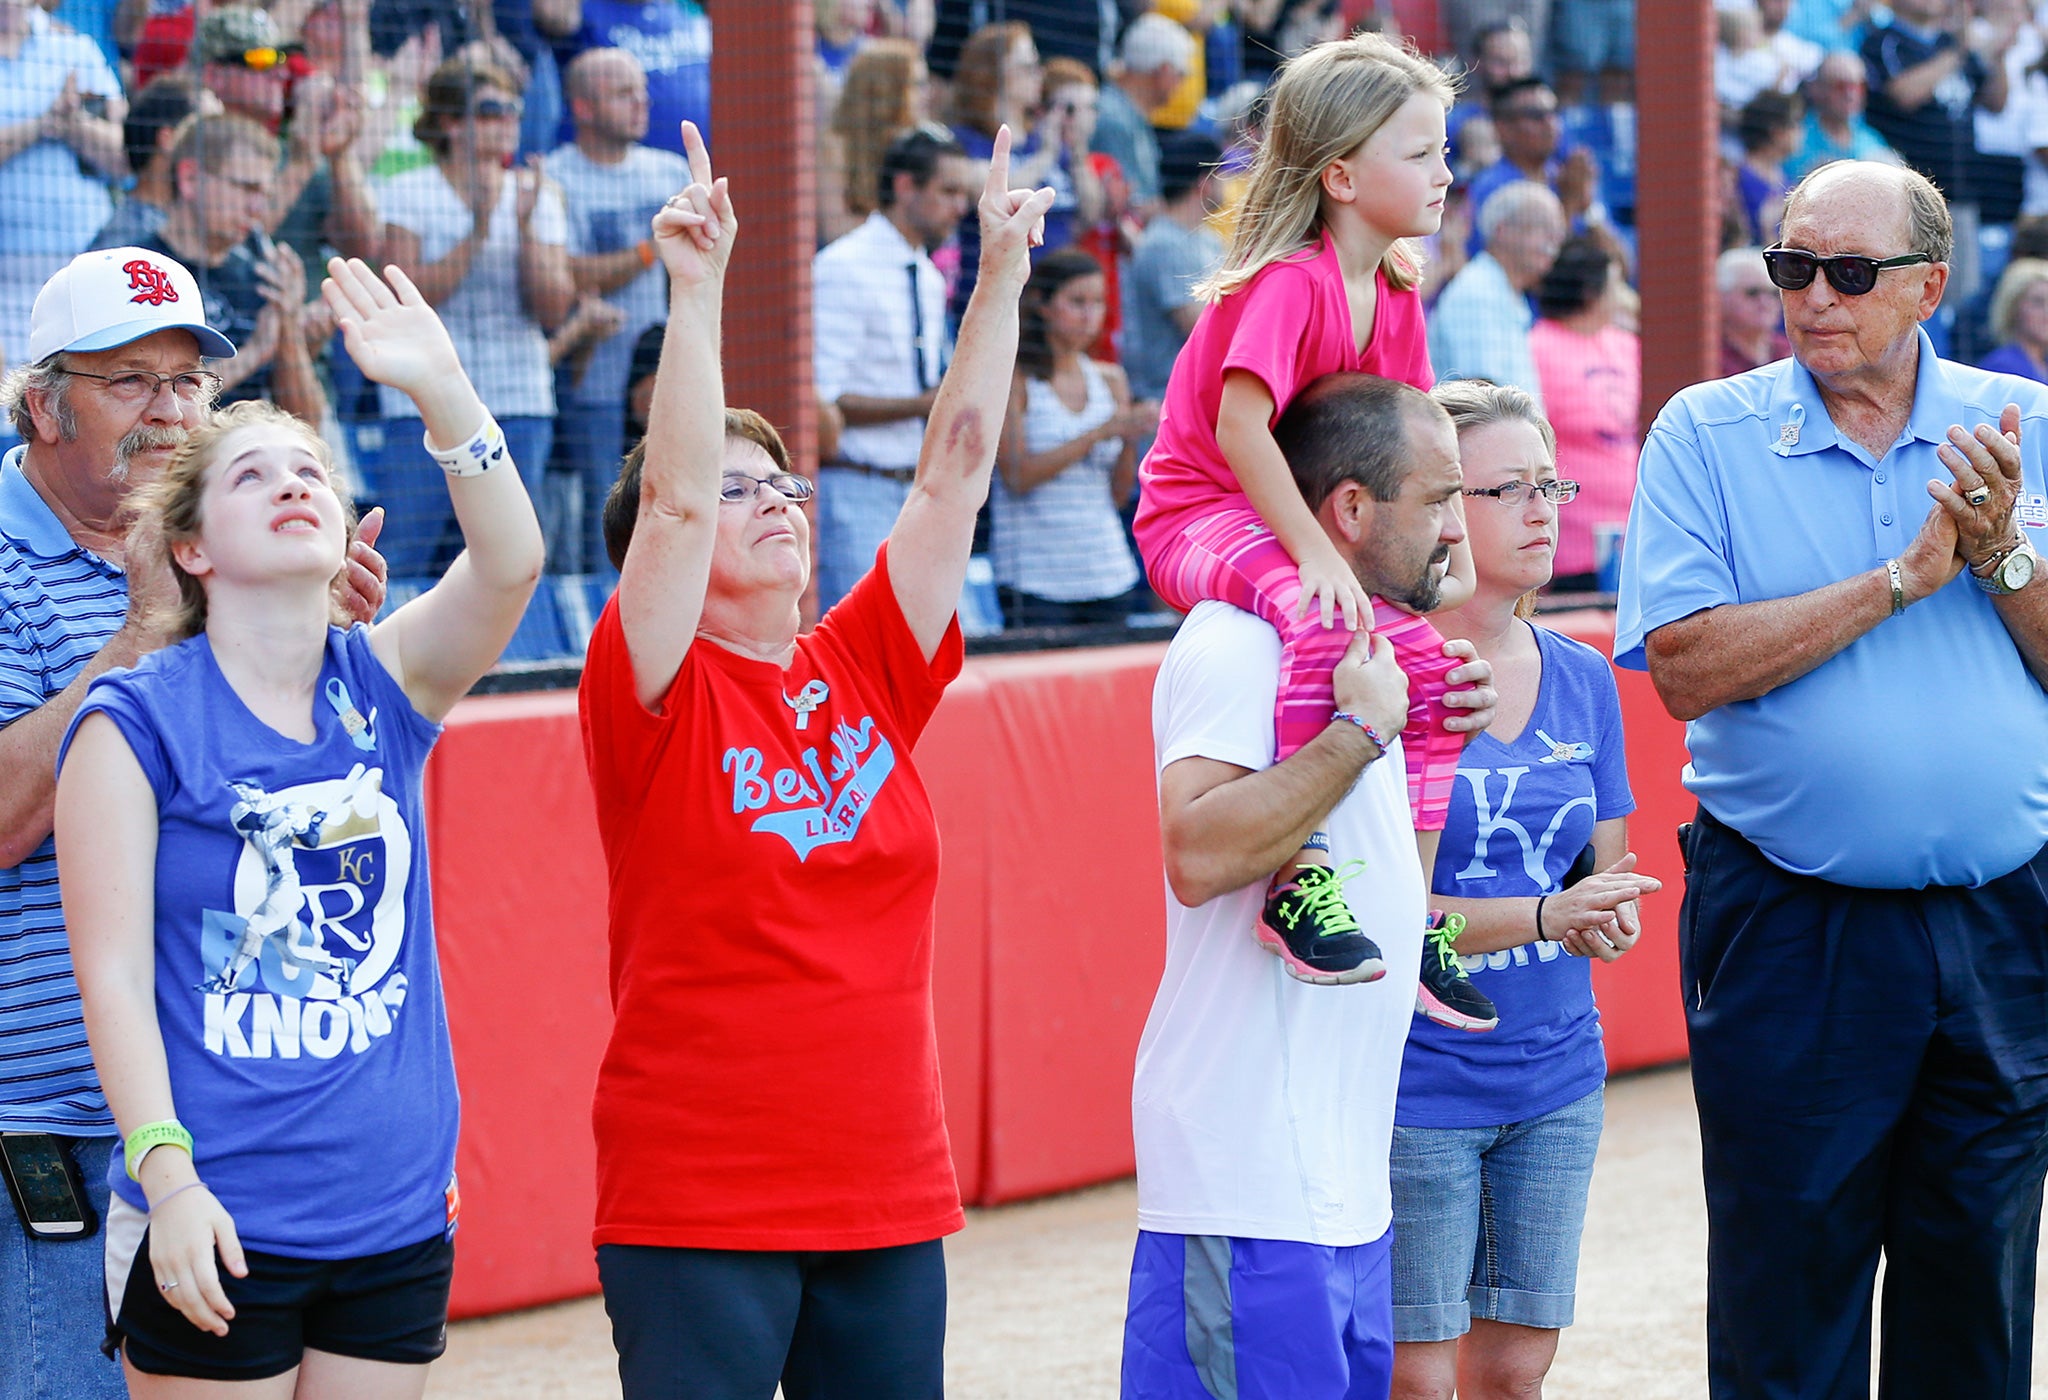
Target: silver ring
(167,1287)
(1979,496)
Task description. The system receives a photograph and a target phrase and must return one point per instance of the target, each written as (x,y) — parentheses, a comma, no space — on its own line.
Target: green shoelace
(1441,941)
(1324,898)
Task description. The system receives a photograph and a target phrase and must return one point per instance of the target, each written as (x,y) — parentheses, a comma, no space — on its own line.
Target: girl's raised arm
(441,642)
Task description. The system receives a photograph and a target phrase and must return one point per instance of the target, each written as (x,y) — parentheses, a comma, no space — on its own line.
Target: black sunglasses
(1851,274)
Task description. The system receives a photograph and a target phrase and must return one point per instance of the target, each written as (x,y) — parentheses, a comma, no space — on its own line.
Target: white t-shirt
(503,348)
(613,207)
(1263,1107)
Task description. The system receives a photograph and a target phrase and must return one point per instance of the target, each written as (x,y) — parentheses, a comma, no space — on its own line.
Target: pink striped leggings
(1232,557)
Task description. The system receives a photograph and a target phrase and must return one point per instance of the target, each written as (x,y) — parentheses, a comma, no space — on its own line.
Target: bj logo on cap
(149,282)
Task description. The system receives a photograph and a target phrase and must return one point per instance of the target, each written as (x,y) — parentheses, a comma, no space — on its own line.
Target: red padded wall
(519,917)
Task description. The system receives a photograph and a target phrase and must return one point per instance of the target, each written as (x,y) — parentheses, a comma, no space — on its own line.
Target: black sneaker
(1309,927)
(1446,994)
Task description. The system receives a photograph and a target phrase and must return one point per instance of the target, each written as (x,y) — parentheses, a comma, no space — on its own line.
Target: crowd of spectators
(509,157)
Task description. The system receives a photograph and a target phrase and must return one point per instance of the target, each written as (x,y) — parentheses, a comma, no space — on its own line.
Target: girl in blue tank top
(249,911)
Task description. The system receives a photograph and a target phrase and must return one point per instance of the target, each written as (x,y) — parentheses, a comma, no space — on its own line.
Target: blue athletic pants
(1214,1317)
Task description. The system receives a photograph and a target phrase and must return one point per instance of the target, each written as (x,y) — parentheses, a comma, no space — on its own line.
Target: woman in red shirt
(773,1170)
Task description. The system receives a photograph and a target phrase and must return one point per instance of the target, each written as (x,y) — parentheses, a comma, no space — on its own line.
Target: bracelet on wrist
(141,1142)
(484,450)
(1378,740)
(1541,936)
(177,1191)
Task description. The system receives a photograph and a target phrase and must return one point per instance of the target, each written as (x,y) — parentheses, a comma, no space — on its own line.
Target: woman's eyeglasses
(1851,274)
(1519,493)
(496,108)
(735,487)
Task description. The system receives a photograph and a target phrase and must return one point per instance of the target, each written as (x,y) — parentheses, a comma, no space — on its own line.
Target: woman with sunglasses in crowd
(243,849)
(487,244)
(1494,1135)
(773,1173)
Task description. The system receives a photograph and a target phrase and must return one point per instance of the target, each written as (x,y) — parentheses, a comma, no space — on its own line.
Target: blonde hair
(1326,103)
(1476,403)
(2021,276)
(169,510)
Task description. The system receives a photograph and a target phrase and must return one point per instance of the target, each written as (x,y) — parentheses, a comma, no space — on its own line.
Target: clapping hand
(694,231)
(1988,477)
(391,332)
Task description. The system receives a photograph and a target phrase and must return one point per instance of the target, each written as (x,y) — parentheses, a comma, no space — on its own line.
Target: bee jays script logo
(304,962)
(812,806)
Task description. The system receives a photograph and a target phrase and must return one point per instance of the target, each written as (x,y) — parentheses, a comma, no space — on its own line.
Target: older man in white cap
(114,380)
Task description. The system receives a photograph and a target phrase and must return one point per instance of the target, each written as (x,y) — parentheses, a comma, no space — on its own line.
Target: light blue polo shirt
(1918,755)
(58,606)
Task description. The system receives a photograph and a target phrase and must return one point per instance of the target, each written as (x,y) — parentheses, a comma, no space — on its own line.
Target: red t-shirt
(772,1080)
(1290,325)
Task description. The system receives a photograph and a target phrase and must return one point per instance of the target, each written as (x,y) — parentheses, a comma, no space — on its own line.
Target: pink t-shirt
(1290,325)
(1593,391)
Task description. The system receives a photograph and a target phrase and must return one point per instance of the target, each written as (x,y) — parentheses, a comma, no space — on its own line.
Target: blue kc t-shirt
(1521,812)
(296,984)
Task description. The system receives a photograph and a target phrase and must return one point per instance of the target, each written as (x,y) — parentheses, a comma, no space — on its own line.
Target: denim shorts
(1487,1221)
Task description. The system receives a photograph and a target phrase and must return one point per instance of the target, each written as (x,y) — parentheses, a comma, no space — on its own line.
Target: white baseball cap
(112,296)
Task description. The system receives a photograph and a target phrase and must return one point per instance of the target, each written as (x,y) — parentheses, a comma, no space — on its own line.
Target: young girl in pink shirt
(1319,279)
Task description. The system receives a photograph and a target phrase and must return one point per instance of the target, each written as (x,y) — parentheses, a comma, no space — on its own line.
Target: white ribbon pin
(806,700)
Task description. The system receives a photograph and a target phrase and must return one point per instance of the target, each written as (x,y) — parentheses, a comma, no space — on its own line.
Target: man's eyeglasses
(141,386)
(738,486)
(1851,274)
(1518,493)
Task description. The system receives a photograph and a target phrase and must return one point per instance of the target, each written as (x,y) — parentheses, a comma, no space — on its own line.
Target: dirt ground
(1037,1290)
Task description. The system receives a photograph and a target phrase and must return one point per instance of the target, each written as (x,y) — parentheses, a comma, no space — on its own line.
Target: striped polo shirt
(59,604)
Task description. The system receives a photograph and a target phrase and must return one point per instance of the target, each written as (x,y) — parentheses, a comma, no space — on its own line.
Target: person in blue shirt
(1494,1135)
(240,831)
(112,381)
(1864,941)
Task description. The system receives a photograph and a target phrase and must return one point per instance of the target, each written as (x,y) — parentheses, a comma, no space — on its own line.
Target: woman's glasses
(1851,274)
(738,486)
(496,108)
(1519,493)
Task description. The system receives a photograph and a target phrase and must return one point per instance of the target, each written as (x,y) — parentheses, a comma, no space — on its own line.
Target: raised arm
(929,545)
(439,643)
(668,565)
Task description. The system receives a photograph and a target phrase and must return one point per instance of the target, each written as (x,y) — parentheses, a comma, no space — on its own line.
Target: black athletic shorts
(381,1307)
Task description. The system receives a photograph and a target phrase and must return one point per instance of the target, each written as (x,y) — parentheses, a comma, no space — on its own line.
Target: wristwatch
(2008,571)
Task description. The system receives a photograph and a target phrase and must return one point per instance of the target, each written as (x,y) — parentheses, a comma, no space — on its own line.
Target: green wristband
(168,1133)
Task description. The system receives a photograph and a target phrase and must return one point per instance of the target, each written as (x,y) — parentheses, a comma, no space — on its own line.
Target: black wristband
(1541,936)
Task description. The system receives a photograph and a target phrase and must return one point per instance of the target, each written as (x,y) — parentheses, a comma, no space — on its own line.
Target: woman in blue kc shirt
(249,913)
(1494,1134)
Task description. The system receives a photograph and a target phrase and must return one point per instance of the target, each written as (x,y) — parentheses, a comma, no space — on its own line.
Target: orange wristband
(645,248)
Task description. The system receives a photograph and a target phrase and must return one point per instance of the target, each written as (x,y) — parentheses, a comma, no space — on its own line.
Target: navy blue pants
(1871,1070)
(729,1324)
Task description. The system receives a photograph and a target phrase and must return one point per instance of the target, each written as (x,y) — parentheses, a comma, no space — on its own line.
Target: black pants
(727,1324)
(1871,1070)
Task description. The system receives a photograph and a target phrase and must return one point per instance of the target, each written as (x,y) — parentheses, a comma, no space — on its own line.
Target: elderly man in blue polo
(1864,939)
